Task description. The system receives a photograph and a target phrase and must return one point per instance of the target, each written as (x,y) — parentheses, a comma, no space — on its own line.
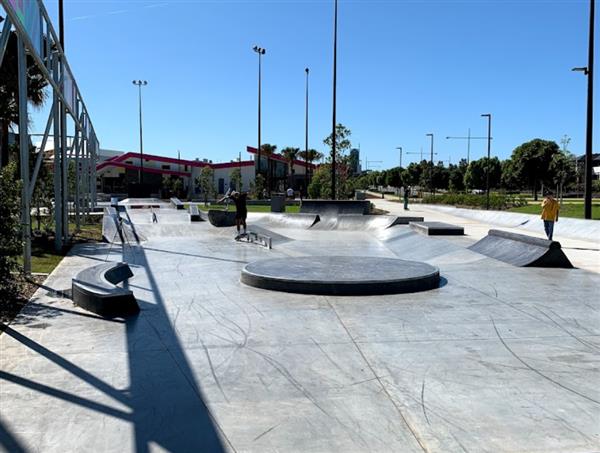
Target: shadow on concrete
(34,311)
(9,441)
(166,406)
(196,256)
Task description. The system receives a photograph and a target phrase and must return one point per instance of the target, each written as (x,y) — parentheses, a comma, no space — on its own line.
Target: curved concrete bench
(95,290)
(521,250)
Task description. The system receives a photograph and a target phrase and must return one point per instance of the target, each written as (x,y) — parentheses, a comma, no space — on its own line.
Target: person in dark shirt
(241,211)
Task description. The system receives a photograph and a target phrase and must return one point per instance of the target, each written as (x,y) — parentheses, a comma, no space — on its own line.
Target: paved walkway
(583,254)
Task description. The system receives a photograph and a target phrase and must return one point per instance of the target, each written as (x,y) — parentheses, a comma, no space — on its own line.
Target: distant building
(354,160)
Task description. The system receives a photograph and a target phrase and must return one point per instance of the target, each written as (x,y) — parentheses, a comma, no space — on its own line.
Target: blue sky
(405,68)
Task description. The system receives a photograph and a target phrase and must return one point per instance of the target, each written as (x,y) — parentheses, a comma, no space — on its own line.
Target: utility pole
(306,137)
(468,138)
(400,149)
(487,167)
(431,164)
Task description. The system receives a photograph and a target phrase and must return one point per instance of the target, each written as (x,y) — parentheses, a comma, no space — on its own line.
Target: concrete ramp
(298,221)
(219,218)
(335,207)
(521,250)
(354,222)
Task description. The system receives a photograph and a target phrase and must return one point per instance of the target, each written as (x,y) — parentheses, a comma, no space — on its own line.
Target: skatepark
(228,353)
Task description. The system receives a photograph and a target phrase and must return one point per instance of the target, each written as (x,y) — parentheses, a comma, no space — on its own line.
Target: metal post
(64,159)
(24,156)
(4,38)
(400,149)
(95,147)
(61,25)
(57,177)
(306,136)
(590,115)
(77,148)
(333,137)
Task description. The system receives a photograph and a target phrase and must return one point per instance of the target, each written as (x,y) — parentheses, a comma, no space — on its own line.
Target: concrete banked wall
(574,228)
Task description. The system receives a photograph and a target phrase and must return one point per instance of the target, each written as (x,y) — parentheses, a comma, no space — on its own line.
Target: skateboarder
(406,195)
(241,211)
(550,208)
(154,218)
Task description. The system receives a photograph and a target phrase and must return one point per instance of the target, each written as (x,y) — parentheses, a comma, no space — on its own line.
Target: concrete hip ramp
(298,221)
(521,250)
(335,207)
(357,222)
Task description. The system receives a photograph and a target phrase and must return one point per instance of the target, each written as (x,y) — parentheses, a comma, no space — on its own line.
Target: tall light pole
(61,25)
(260,51)
(140,84)
(431,164)
(487,167)
(589,72)
(306,136)
(333,135)
(399,148)
(468,138)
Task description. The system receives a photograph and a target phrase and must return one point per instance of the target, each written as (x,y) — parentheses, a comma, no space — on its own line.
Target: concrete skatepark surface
(498,359)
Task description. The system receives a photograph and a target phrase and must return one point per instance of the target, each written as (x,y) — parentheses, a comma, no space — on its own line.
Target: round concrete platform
(341,275)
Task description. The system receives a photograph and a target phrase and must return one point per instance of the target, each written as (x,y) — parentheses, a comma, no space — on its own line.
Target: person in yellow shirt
(550,208)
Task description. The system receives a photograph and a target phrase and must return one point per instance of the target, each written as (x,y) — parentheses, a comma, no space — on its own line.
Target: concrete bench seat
(177,203)
(95,289)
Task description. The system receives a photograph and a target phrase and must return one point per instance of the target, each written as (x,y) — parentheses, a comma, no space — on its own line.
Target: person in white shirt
(290,193)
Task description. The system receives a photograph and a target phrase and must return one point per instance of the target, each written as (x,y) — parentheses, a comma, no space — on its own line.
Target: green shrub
(497,201)
(10,230)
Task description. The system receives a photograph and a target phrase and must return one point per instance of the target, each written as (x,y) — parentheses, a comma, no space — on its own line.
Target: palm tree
(309,157)
(290,155)
(9,91)
(268,150)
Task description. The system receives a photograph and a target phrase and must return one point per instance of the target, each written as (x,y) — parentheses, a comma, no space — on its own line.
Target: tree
(393,177)
(257,187)
(342,144)
(10,230)
(476,175)
(320,184)
(456,178)
(173,184)
(290,155)
(441,176)
(342,141)
(9,91)
(235,177)
(413,174)
(531,163)
(205,182)
(562,169)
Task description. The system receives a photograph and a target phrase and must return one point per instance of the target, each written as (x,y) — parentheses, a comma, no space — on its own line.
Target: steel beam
(4,38)
(40,157)
(24,161)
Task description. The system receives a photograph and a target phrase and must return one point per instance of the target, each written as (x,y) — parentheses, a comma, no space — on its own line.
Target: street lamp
(400,149)
(140,84)
(306,136)
(260,51)
(333,135)
(589,72)
(487,167)
(431,166)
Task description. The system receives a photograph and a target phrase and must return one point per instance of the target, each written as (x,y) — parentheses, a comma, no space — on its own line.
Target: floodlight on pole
(589,72)
(140,84)
(333,134)
(260,51)
(307,71)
